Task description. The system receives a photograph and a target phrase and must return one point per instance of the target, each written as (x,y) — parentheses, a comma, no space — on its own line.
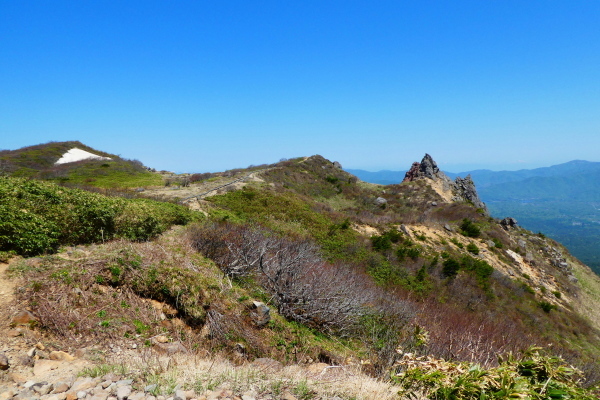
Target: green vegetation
(472,248)
(533,376)
(469,228)
(37,217)
(301,242)
(39,162)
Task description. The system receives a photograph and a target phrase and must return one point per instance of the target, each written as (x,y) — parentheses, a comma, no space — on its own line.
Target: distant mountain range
(561,201)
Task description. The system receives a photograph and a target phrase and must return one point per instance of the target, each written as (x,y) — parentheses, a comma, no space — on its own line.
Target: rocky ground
(35,365)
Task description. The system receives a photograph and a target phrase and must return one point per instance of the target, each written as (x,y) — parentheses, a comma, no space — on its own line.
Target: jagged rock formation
(462,189)
(465,191)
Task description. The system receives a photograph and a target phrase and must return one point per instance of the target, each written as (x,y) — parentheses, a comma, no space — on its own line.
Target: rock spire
(462,189)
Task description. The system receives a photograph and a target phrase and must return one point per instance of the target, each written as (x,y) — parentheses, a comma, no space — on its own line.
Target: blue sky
(194,86)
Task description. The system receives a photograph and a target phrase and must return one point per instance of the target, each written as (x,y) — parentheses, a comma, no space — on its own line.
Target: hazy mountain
(381,177)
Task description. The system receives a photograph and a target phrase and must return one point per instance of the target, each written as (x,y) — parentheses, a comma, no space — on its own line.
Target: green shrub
(381,243)
(472,248)
(546,306)
(480,268)
(457,243)
(468,228)
(36,217)
(450,267)
(497,243)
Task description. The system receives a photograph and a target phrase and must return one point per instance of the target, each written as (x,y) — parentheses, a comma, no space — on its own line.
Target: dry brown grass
(216,373)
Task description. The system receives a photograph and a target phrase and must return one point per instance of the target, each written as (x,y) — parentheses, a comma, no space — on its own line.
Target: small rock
(24,318)
(123,392)
(31,352)
(150,388)
(58,396)
(137,396)
(4,364)
(43,390)
(17,377)
(124,382)
(161,339)
(448,228)
(99,396)
(179,395)
(83,384)
(380,201)
(61,356)
(169,348)
(25,395)
(60,387)
(111,376)
(434,203)
(288,396)
(14,333)
(25,361)
(40,346)
(81,394)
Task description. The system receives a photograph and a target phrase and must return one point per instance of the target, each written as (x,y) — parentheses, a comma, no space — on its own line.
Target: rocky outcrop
(427,168)
(508,222)
(462,189)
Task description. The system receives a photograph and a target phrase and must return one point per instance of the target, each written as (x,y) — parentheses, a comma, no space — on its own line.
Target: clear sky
(194,86)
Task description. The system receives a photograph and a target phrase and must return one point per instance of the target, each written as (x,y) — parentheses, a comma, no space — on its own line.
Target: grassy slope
(38,162)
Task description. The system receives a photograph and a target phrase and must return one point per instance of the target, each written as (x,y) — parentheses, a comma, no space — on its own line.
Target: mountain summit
(461,189)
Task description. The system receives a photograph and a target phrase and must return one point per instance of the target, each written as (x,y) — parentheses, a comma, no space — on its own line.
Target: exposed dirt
(7,287)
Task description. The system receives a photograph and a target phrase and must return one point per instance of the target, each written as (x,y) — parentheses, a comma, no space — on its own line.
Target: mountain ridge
(351,274)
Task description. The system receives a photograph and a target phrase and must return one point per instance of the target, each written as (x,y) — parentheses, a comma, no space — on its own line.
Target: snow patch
(76,154)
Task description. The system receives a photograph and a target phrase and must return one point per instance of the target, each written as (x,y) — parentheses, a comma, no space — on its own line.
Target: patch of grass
(103,369)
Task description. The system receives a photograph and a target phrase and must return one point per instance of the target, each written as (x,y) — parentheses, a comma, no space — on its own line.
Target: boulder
(61,356)
(464,190)
(4,365)
(260,314)
(24,318)
(508,222)
(169,348)
(380,201)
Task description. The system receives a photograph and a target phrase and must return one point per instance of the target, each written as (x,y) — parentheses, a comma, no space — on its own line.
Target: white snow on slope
(76,154)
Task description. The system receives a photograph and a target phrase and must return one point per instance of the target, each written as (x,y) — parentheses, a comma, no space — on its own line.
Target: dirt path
(7,287)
